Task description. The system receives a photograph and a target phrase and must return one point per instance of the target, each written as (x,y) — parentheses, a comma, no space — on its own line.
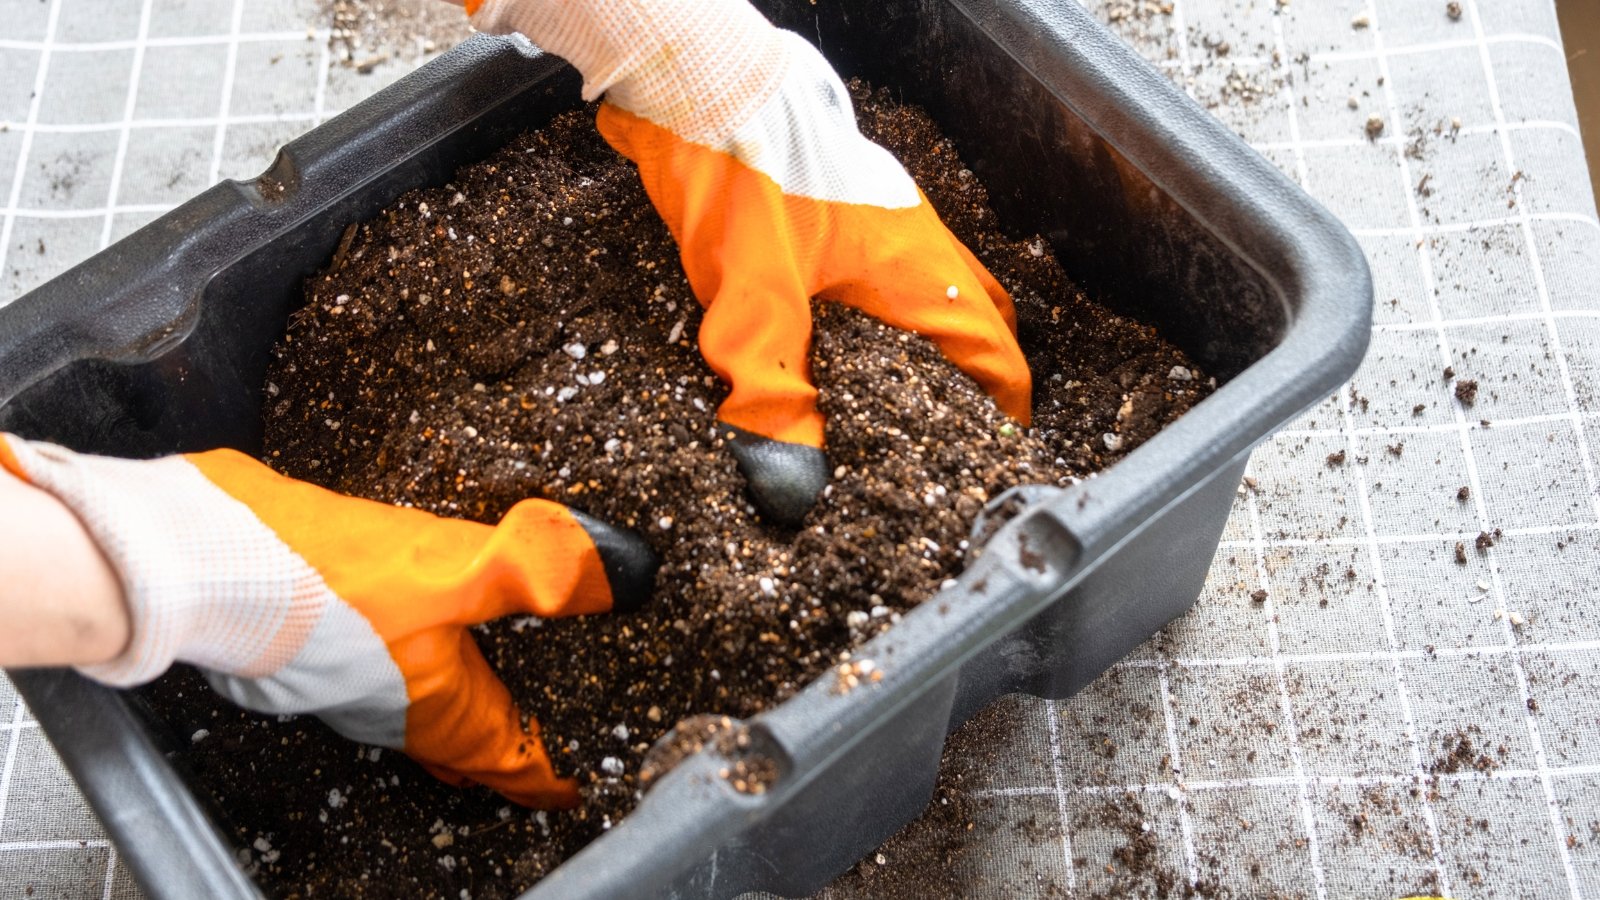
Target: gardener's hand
(748,146)
(295,599)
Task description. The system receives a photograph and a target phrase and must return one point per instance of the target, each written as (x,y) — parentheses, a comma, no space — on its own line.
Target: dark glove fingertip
(629,562)
(785,479)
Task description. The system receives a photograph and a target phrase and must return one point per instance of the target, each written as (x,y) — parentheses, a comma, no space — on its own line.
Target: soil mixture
(527,330)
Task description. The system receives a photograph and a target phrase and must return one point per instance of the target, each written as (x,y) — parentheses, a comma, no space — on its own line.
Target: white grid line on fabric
(1286,86)
(1495,320)
(1236,60)
(1402,693)
(1283,781)
(1400,141)
(1336,656)
(1407,714)
(221,122)
(1541,287)
(316,116)
(1574,417)
(1399,430)
(119,160)
(1421,231)
(1510,37)
(1332,56)
(1460,422)
(1559,832)
(6,768)
(1258,536)
(229,72)
(9,220)
(1413,743)
(154,123)
(1186,63)
(1423,538)
(111,871)
(88,212)
(27,846)
(319,97)
(1061,795)
(1286,704)
(196,40)
(1191,855)
(24,726)
(1473,479)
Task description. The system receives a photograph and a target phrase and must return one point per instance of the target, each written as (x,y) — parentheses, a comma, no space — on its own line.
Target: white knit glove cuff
(699,68)
(204,580)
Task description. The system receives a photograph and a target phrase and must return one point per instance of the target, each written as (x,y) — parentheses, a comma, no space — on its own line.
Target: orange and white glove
(747,144)
(295,599)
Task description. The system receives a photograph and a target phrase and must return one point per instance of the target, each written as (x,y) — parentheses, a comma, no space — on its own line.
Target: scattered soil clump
(1460,754)
(365,34)
(527,331)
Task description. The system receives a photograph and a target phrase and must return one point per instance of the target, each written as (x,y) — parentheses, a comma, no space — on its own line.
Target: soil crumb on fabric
(365,34)
(969,842)
(527,331)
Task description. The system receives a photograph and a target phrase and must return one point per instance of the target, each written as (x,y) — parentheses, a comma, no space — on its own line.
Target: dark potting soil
(527,330)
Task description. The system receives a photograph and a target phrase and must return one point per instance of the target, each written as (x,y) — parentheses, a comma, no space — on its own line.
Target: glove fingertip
(785,479)
(629,562)
(557,793)
(564,794)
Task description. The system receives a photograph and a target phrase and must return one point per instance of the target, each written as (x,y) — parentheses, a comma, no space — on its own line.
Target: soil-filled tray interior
(526,330)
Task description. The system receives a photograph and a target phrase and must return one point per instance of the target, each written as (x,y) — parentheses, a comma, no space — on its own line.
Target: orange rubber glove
(747,144)
(294,599)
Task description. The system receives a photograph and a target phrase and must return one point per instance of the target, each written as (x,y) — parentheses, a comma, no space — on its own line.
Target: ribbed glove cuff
(699,68)
(204,580)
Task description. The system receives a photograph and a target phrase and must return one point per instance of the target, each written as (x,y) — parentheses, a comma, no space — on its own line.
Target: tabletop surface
(1396,717)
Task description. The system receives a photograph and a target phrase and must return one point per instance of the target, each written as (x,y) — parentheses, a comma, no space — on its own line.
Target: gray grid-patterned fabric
(1308,744)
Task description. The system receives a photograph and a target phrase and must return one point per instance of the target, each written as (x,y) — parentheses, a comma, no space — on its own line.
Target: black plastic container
(159,344)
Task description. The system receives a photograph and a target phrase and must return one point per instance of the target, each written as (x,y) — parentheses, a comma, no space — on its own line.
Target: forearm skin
(60,602)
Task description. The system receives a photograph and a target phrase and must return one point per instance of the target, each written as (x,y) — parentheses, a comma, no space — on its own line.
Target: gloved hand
(748,147)
(294,599)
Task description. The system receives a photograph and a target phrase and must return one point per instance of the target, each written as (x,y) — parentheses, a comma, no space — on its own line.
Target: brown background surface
(1580,31)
